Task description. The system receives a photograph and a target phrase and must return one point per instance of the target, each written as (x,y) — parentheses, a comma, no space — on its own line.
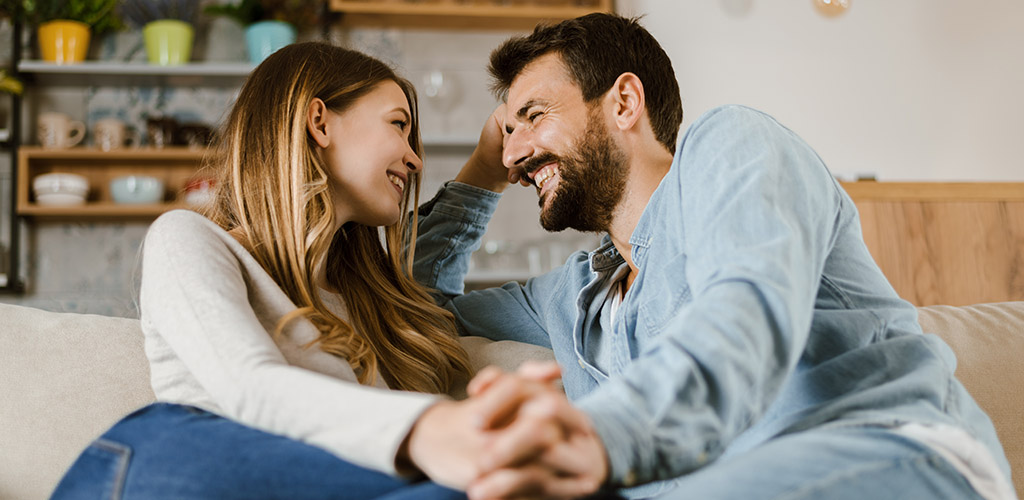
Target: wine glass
(441,90)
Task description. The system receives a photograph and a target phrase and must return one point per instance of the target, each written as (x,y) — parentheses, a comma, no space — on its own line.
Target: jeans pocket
(99,472)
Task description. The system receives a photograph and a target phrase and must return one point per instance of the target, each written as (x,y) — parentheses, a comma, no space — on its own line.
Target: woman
(282,309)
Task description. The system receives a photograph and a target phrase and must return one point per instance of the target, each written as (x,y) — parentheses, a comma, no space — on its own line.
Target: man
(732,337)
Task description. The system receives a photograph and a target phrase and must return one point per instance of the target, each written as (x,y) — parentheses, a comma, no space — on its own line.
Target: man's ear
(627,100)
(316,122)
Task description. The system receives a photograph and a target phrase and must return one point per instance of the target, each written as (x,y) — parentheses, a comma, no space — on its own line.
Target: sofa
(66,377)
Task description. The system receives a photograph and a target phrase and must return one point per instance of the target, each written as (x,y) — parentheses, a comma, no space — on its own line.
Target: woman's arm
(197,296)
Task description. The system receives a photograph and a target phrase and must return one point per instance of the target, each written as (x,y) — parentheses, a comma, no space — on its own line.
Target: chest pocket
(665,291)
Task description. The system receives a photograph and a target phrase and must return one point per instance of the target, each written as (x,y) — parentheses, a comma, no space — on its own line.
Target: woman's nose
(413,163)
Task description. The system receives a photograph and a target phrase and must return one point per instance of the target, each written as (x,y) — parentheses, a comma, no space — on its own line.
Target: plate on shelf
(59,199)
(4,134)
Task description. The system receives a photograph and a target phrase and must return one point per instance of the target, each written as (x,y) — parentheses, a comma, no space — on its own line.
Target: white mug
(57,130)
(111,133)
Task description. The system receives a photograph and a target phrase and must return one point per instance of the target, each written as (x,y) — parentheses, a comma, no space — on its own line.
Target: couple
(730,338)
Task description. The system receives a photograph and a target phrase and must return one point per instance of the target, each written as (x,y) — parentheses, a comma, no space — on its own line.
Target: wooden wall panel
(954,246)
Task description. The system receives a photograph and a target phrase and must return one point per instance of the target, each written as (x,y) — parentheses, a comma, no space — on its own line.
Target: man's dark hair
(596,49)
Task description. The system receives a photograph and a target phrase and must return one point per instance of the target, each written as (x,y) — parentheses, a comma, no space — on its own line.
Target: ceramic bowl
(60,189)
(137,189)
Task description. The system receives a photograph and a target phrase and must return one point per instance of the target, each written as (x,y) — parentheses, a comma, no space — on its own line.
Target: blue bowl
(137,189)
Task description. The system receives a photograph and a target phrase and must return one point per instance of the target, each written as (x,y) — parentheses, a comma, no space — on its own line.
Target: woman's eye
(401,124)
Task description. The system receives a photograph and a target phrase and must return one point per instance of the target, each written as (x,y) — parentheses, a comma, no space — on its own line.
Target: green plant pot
(168,42)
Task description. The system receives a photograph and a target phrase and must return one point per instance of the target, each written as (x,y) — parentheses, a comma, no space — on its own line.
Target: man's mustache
(531,165)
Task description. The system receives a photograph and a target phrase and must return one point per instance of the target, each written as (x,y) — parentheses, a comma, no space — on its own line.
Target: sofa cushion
(66,379)
(989,343)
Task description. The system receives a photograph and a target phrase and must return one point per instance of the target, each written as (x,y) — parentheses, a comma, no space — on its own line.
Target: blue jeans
(174,451)
(851,463)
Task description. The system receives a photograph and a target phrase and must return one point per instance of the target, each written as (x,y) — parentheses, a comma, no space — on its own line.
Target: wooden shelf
(469,14)
(175,166)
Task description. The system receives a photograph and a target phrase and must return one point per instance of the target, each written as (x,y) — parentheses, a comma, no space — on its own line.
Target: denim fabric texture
(169,451)
(757,313)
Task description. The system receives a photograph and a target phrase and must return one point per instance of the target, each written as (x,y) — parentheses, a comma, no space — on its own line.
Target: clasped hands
(517,436)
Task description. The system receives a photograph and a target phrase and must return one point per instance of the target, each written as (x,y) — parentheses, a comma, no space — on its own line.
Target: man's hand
(484,168)
(545,448)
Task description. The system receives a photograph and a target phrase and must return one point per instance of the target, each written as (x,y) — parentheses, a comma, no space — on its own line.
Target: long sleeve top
(757,310)
(207,312)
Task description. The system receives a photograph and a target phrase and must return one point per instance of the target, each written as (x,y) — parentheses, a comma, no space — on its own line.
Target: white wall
(905,89)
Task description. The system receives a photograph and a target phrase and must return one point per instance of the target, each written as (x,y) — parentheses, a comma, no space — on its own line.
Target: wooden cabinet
(946,243)
(472,14)
(174,166)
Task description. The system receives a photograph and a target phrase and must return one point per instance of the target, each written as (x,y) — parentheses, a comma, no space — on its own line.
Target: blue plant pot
(265,37)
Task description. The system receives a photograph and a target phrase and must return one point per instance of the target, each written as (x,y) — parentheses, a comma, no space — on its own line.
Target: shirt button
(630,479)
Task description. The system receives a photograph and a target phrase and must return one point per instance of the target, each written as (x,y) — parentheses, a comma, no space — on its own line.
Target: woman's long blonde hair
(273,191)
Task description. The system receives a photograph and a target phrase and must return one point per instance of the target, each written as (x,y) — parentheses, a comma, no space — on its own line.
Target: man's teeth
(396,180)
(544,176)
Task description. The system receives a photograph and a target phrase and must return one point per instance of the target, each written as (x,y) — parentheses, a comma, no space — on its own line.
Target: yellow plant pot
(168,42)
(64,42)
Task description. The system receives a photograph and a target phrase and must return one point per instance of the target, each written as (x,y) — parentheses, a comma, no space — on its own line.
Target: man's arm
(450,228)
(759,210)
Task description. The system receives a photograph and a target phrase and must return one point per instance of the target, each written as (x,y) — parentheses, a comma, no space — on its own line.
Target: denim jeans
(176,452)
(846,463)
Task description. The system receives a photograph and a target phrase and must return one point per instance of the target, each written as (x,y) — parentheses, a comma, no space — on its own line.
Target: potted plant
(269,24)
(167,28)
(9,84)
(64,26)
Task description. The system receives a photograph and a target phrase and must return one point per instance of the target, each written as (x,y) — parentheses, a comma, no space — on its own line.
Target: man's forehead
(542,81)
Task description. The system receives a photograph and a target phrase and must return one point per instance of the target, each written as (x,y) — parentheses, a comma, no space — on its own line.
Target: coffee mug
(160,131)
(57,130)
(111,133)
(193,135)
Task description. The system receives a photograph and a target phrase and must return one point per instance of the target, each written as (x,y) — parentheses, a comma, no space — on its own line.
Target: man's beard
(592,179)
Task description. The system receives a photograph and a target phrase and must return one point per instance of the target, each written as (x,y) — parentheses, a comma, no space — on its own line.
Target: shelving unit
(175,166)
(10,278)
(476,14)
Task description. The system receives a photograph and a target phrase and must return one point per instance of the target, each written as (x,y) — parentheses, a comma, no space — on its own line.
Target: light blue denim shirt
(757,310)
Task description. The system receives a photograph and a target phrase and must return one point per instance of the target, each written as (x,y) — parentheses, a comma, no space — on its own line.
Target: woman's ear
(316,122)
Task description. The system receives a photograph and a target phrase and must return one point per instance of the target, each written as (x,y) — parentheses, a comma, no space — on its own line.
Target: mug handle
(132,137)
(77,133)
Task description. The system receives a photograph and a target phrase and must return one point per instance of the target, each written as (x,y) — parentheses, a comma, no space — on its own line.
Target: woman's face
(369,156)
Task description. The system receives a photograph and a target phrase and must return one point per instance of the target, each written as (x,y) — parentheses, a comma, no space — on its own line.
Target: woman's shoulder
(184,228)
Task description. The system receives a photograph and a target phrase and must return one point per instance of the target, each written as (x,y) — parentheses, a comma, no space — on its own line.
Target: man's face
(563,145)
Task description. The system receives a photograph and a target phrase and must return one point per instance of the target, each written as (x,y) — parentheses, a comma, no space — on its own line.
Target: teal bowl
(137,189)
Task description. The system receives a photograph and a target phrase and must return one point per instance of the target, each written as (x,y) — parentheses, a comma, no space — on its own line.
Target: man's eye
(533,116)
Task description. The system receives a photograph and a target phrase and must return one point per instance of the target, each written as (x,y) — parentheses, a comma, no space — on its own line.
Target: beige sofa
(65,378)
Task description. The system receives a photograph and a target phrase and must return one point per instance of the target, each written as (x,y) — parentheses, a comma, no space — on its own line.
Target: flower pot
(63,42)
(168,42)
(265,37)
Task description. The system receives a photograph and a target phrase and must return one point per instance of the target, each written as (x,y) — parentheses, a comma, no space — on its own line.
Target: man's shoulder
(730,116)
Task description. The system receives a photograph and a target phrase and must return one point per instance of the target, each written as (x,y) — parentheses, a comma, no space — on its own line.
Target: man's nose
(518,148)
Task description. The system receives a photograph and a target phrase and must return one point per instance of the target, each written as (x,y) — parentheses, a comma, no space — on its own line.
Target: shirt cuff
(627,441)
(463,202)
